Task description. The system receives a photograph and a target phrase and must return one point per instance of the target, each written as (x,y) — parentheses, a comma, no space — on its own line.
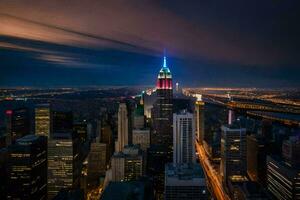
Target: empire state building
(163,109)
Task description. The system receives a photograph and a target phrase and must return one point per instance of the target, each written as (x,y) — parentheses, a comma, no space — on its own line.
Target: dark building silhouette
(27,168)
(62,121)
(17,124)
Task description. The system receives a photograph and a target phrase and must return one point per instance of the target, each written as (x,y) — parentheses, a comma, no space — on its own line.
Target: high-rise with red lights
(163,109)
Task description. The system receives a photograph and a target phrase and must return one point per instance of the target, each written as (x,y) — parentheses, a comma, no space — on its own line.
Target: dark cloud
(209,42)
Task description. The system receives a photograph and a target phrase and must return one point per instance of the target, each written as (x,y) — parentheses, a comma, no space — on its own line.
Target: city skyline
(149,100)
(217,44)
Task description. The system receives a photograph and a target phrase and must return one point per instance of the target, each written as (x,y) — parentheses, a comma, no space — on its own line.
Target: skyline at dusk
(149,100)
(96,43)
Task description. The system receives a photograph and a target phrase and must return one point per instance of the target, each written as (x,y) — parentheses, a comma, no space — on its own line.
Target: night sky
(121,42)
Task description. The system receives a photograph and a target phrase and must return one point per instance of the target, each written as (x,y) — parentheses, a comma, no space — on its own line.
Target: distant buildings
(233,154)
(282,180)
(27,168)
(183,138)
(43,120)
(123,129)
(185,182)
(17,124)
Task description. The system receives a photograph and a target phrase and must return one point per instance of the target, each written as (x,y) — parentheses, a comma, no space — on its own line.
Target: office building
(42,119)
(127,165)
(149,98)
(233,153)
(142,138)
(215,117)
(183,138)
(62,121)
(123,135)
(3,173)
(138,117)
(17,124)
(27,168)
(138,190)
(63,162)
(185,182)
(157,156)
(97,162)
(291,151)
(199,118)
(163,109)
(248,190)
(106,137)
(282,180)
(80,129)
(256,158)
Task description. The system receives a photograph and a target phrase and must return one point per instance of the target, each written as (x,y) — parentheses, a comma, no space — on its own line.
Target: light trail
(211,175)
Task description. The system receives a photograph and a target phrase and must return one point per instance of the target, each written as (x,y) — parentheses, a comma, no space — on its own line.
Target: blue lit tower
(163,109)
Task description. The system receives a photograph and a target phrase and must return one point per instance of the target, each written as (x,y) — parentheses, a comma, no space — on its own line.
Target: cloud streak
(211,40)
(142,26)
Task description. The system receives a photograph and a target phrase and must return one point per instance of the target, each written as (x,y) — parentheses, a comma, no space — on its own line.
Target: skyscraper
(183,138)
(138,117)
(27,168)
(199,112)
(62,121)
(63,162)
(163,109)
(141,137)
(282,180)
(233,153)
(256,158)
(123,137)
(128,164)
(96,161)
(17,124)
(106,137)
(43,120)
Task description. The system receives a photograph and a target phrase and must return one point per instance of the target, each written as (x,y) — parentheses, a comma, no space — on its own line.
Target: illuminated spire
(165,59)
(165,62)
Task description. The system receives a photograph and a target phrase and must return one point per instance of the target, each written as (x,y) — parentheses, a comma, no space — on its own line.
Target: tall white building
(199,113)
(183,138)
(122,127)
